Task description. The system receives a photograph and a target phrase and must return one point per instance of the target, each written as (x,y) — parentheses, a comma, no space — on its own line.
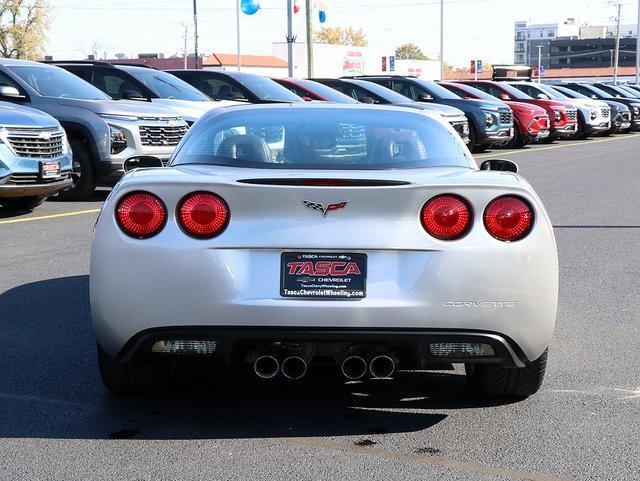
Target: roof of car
(14,61)
(309,106)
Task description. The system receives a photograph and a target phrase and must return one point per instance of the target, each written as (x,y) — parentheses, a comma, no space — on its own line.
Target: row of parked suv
(95,118)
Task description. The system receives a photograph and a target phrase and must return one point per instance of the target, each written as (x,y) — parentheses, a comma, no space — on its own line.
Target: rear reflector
(460,349)
(141,214)
(203,215)
(184,346)
(446,217)
(508,218)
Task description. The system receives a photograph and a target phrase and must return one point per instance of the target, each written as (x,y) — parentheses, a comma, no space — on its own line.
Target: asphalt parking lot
(58,422)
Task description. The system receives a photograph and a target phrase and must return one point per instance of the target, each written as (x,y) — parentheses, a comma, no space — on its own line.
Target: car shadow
(99,196)
(50,388)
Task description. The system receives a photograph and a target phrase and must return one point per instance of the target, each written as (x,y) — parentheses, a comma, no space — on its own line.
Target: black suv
(239,86)
(489,122)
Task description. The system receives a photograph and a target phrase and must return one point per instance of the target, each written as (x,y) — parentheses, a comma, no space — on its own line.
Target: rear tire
(23,204)
(130,377)
(83,173)
(497,381)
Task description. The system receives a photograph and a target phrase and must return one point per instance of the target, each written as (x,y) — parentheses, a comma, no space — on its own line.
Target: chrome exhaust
(353,367)
(266,367)
(382,367)
(294,367)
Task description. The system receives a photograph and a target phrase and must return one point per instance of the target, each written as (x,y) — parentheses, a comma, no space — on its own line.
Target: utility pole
(185,51)
(239,59)
(309,21)
(442,40)
(638,47)
(617,56)
(195,32)
(290,37)
(539,62)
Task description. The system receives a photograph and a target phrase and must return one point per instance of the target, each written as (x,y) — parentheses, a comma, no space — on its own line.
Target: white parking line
(51,216)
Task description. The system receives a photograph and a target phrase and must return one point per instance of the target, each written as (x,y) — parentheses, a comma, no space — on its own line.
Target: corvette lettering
(325,209)
(323,268)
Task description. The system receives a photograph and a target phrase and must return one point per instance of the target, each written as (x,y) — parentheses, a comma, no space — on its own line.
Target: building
(591,52)
(339,60)
(266,65)
(525,34)
(259,64)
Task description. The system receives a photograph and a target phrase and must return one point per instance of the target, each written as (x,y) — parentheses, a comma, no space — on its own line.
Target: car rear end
(238,264)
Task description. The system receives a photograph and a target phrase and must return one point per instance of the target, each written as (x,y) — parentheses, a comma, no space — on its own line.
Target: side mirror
(504,97)
(594,96)
(132,94)
(425,98)
(542,97)
(141,162)
(503,165)
(9,92)
(307,99)
(367,100)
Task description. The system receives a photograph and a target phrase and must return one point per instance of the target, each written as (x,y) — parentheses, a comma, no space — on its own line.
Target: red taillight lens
(508,218)
(446,217)
(141,214)
(203,214)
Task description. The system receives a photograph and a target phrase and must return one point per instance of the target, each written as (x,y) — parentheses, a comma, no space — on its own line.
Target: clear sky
(473,28)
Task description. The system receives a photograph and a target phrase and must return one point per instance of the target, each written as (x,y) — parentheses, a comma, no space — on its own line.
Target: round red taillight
(141,214)
(446,217)
(203,214)
(508,218)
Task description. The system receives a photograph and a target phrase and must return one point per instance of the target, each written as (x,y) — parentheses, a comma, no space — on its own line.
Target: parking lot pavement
(58,422)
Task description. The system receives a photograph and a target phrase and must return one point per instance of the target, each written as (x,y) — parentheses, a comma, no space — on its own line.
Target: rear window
(323,139)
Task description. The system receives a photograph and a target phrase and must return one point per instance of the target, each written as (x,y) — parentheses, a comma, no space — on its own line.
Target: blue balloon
(249,7)
(323,16)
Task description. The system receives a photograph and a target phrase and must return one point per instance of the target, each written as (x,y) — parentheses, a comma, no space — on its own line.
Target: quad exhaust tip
(266,367)
(354,367)
(294,367)
(382,367)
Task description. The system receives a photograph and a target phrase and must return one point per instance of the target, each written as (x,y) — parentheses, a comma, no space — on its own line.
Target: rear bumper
(412,346)
(48,189)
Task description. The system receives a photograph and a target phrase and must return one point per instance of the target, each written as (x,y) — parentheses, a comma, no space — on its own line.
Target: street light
(195,31)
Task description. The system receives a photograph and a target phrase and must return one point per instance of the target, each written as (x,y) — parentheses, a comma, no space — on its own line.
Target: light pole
(638,47)
(238,59)
(309,21)
(442,40)
(539,62)
(195,31)
(290,37)
(617,55)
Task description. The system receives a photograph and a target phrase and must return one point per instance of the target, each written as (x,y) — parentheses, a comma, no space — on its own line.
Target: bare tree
(23,28)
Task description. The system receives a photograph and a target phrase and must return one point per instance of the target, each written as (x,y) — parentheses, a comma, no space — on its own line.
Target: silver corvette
(285,236)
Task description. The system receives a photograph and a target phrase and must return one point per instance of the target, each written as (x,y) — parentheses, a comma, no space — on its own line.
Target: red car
(310,90)
(530,121)
(563,115)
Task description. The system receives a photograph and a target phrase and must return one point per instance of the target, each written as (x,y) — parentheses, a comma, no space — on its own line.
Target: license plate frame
(49,170)
(323,275)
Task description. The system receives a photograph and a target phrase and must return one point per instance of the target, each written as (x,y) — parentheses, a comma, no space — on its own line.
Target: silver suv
(35,158)
(103,133)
